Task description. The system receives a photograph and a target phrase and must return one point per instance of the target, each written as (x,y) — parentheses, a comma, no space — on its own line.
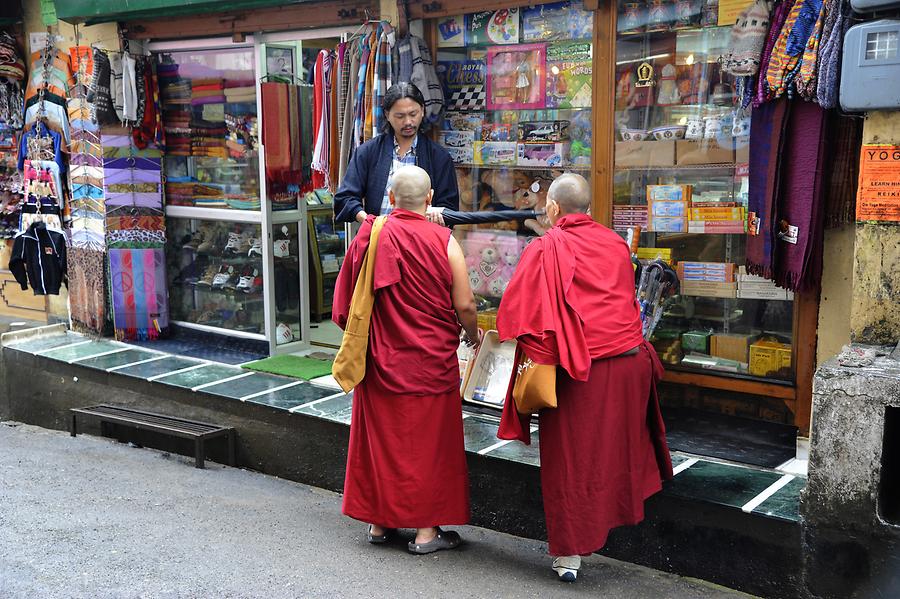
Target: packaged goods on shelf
(543,131)
(642,154)
(461,155)
(697,341)
(714,363)
(669,193)
(769,358)
(489,378)
(669,350)
(498,132)
(456,139)
(730,346)
(708,289)
(543,154)
(494,152)
(705,271)
(487,320)
(702,152)
(464,121)
(706,213)
(664,254)
(717,226)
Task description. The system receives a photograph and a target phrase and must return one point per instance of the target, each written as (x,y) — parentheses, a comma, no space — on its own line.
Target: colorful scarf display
(87,289)
(139,298)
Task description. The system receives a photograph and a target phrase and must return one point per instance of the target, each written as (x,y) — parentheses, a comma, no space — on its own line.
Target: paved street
(88,517)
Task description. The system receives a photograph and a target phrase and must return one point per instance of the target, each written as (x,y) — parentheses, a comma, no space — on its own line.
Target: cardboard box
(696,341)
(498,132)
(670,193)
(768,358)
(702,152)
(645,153)
(708,289)
(730,347)
(774,293)
(709,271)
(543,154)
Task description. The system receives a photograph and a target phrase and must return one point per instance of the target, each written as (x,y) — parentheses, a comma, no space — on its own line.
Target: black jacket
(368,170)
(39,257)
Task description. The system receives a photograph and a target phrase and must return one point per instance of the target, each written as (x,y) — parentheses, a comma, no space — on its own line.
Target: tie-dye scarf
(139,298)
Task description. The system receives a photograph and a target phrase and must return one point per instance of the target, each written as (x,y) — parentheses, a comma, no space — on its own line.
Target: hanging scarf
(828,84)
(348,137)
(139,299)
(801,201)
(382,79)
(368,122)
(767,130)
(359,117)
(320,165)
(87,289)
(845,135)
(806,79)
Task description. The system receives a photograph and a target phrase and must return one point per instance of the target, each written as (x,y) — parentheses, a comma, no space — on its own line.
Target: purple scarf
(767,134)
(801,201)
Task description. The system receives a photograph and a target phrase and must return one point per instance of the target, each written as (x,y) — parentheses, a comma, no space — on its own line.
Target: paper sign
(878,195)
(37,40)
(730,9)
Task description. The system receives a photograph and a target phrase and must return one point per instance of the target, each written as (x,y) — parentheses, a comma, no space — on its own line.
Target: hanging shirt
(396,162)
(55,144)
(56,115)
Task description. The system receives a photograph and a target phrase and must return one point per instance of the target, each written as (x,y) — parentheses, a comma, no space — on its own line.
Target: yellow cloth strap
(349,366)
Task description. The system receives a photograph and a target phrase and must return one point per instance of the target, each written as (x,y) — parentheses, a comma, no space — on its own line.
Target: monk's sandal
(566,567)
(379,539)
(445,539)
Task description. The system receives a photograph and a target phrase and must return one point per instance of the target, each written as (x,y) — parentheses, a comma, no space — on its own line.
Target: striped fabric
(383,73)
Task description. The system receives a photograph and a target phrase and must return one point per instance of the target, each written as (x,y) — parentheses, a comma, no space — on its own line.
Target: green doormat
(295,366)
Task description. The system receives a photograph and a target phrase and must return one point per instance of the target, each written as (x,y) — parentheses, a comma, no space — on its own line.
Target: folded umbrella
(455,217)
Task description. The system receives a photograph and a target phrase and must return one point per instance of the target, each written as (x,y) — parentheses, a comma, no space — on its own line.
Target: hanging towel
(425,78)
(801,201)
(767,131)
(138,283)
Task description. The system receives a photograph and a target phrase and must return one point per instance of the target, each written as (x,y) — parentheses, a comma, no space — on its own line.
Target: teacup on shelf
(633,134)
(668,133)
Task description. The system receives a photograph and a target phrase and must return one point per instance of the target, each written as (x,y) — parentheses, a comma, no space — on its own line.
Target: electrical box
(864,6)
(870,72)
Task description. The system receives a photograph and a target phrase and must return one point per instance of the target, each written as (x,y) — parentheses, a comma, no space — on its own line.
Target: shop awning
(102,11)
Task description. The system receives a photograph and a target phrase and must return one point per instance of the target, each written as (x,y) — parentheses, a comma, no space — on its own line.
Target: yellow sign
(644,75)
(730,9)
(878,195)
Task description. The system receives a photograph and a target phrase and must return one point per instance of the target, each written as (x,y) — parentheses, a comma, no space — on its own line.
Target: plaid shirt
(396,163)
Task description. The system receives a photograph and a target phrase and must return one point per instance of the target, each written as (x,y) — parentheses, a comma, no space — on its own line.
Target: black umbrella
(455,217)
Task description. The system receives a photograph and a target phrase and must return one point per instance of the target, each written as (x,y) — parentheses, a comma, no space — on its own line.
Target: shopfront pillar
(851,506)
(875,317)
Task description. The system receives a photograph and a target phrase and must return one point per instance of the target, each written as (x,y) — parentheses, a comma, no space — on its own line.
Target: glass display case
(215,274)
(208,101)
(681,179)
(518,89)
(327,243)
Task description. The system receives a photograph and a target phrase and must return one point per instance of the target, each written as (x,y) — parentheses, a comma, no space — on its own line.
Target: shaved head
(410,188)
(572,192)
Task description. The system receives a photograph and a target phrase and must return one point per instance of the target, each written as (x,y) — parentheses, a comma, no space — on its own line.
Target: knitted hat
(748,36)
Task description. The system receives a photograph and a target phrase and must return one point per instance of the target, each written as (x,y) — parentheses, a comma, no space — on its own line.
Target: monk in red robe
(571,303)
(406,464)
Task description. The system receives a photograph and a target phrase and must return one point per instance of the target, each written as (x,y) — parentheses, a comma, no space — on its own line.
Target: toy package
(534,131)
(516,77)
(493,27)
(464,121)
(580,134)
(491,258)
(461,155)
(456,139)
(556,21)
(463,82)
(495,152)
(498,132)
(452,32)
(550,155)
(569,73)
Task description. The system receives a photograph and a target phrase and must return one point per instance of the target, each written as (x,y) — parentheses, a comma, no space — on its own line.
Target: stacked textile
(178,132)
(207,91)
(234,94)
(179,193)
(208,138)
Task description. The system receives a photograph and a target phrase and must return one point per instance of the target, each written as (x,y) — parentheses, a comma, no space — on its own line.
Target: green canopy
(103,11)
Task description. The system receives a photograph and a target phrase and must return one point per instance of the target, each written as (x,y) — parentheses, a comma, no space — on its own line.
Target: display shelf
(729,381)
(684,167)
(570,167)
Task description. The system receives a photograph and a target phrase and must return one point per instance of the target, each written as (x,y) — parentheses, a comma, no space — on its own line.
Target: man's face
(405,116)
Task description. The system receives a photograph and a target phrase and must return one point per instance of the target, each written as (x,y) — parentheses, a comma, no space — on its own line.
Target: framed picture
(516,77)
(280,60)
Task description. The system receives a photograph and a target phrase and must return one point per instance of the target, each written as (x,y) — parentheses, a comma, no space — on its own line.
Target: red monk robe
(406,464)
(603,449)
